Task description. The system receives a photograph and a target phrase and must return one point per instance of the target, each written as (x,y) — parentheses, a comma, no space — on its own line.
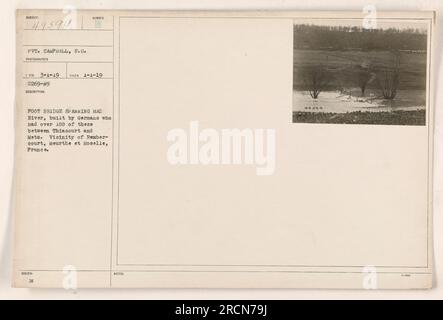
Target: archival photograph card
(211,149)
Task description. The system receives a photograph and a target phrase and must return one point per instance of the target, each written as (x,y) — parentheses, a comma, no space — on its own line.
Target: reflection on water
(337,102)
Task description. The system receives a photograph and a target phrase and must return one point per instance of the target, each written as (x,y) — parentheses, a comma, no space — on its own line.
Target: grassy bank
(416,117)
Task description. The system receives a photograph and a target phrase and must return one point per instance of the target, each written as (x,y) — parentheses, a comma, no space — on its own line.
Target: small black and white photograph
(344,73)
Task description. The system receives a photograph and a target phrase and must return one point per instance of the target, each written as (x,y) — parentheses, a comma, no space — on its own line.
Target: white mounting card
(164,149)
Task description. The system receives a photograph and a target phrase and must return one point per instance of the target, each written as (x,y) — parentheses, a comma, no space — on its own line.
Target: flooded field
(350,101)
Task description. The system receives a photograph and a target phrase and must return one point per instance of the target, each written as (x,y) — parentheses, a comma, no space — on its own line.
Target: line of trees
(304,27)
(345,37)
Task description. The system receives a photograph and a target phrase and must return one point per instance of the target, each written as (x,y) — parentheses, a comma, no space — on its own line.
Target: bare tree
(364,76)
(389,78)
(316,80)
